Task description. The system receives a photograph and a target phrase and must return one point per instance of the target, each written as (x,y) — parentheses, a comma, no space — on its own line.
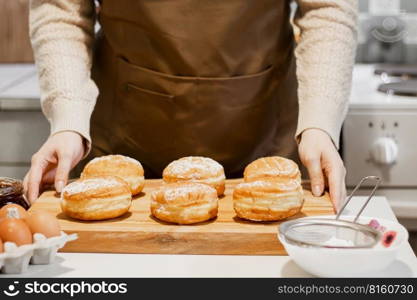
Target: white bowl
(331,262)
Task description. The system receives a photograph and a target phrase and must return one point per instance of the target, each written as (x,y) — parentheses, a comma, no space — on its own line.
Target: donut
(127,168)
(184,202)
(267,200)
(272,168)
(96,198)
(196,169)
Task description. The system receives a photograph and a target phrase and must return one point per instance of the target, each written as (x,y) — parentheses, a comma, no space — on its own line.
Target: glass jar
(11,191)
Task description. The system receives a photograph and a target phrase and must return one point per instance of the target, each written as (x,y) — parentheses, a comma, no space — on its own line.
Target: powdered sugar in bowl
(346,262)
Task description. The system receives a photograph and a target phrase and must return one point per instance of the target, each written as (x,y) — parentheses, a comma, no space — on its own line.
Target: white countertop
(11,74)
(155,265)
(19,88)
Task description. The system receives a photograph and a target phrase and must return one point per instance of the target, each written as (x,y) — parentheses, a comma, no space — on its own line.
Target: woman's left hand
(324,165)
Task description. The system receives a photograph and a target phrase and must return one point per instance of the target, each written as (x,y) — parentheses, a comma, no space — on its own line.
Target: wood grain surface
(14,32)
(138,232)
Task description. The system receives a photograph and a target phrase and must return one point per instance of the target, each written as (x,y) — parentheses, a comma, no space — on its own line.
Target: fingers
(25,183)
(343,196)
(334,189)
(53,162)
(320,156)
(337,188)
(62,171)
(49,176)
(34,177)
(315,172)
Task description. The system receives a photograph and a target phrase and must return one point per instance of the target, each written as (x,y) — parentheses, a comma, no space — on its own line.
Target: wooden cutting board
(138,232)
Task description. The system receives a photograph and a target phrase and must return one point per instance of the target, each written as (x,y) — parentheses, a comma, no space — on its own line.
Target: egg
(1,246)
(5,209)
(43,222)
(16,231)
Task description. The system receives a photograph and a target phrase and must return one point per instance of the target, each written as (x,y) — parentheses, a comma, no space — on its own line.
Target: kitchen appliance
(384,39)
(380,135)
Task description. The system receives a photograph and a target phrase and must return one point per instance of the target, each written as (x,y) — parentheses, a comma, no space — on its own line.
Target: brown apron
(212,78)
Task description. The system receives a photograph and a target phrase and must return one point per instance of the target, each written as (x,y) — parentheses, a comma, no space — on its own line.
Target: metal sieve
(333,233)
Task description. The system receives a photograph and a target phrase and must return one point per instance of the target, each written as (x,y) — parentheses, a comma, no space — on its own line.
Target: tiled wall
(406,5)
(408,15)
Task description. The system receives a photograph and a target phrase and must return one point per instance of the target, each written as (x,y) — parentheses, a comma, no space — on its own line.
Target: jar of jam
(11,191)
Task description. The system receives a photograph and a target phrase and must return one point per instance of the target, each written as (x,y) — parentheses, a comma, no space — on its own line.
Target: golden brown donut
(267,200)
(196,169)
(127,168)
(272,168)
(96,198)
(184,202)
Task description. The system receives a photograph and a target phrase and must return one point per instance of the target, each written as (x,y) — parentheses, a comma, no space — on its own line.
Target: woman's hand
(324,165)
(53,162)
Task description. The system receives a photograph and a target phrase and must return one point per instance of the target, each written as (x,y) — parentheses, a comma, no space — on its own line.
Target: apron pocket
(145,124)
(164,97)
(163,117)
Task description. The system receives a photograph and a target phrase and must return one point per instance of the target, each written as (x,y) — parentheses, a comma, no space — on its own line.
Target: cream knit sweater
(62,34)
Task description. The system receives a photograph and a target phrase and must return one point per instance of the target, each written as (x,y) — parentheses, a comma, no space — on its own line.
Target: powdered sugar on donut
(288,185)
(272,166)
(116,157)
(194,166)
(254,184)
(89,184)
(184,190)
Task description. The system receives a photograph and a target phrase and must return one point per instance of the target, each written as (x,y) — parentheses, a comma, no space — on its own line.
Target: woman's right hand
(53,162)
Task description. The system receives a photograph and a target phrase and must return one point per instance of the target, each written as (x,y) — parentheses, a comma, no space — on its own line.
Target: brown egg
(16,231)
(43,222)
(21,211)
(1,246)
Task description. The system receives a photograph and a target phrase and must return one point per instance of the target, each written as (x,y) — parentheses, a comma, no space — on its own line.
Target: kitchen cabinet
(23,127)
(21,135)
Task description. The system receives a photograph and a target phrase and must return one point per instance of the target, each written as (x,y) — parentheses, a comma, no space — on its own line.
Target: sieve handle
(377,181)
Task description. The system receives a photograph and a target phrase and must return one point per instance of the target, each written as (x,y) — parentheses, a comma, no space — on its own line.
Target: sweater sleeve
(62,35)
(325,57)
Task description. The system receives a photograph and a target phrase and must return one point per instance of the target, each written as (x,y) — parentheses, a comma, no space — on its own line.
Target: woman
(213,78)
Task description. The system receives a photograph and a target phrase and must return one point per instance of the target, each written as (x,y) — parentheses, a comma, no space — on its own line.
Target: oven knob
(384,151)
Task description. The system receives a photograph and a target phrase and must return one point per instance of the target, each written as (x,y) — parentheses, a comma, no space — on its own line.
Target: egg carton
(15,259)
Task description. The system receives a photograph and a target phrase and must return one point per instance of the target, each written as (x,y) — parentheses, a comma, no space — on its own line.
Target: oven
(380,135)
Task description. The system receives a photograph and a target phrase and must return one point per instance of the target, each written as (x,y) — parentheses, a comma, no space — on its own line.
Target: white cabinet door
(21,135)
